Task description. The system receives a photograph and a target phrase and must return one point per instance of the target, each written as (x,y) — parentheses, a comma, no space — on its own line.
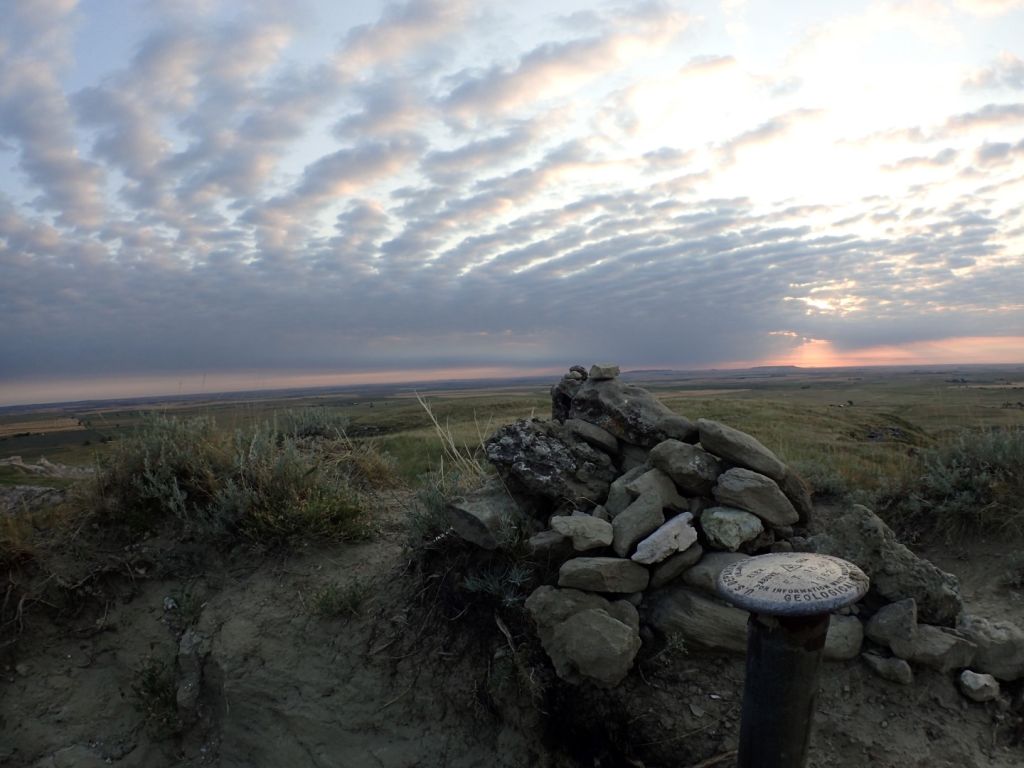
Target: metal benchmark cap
(792,584)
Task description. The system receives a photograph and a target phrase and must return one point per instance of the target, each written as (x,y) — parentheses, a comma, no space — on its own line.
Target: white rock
(978,687)
(674,536)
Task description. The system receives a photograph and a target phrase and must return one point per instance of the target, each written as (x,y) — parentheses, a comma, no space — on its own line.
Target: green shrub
(824,479)
(972,485)
(259,483)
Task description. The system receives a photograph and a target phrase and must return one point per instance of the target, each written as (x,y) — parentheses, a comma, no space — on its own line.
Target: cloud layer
(450,185)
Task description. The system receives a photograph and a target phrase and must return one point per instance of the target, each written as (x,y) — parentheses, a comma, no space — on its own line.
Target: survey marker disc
(792,584)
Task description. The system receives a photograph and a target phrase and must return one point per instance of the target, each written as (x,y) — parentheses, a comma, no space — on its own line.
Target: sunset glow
(356,192)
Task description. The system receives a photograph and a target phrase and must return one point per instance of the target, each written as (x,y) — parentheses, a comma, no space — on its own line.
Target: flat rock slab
(667,570)
(756,493)
(893,669)
(792,584)
(639,520)
(604,372)
(677,535)
(739,448)
(679,610)
(586,532)
(603,574)
(592,434)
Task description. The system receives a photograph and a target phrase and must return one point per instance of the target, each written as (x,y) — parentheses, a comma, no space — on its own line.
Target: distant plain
(858,426)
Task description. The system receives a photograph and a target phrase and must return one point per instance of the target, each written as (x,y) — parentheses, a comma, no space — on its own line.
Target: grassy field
(858,427)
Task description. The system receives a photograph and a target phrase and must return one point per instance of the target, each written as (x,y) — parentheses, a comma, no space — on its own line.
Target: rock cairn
(639,509)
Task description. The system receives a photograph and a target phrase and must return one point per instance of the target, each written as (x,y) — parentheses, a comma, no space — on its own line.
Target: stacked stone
(641,508)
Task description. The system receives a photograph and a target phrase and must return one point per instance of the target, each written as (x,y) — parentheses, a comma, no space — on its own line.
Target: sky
(199,195)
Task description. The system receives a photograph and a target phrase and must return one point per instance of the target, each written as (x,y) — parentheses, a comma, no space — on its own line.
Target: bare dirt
(394,686)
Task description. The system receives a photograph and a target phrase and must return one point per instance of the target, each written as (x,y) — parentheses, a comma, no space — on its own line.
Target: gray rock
(942,648)
(739,448)
(591,646)
(550,606)
(594,436)
(636,522)
(895,626)
(193,648)
(844,639)
(550,548)
(630,413)
(667,570)
(585,531)
(855,533)
(603,574)
(1000,646)
(755,493)
(759,543)
(562,394)
(542,459)
(892,669)
(601,513)
(677,535)
(798,492)
(978,687)
(782,546)
(677,610)
(600,658)
(604,372)
(632,456)
(729,529)
(618,497)
(691,468)
(656,481)
(704,574)
(485,517)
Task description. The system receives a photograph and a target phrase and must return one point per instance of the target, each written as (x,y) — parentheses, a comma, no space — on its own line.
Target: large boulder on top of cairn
(541,459)
(857,534)
(586,637)
(630,413)
(756,493)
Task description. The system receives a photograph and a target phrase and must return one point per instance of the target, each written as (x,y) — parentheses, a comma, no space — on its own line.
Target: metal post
(790,596)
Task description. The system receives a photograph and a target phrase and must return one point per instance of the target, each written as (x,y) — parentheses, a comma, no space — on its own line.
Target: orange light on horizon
(966,350)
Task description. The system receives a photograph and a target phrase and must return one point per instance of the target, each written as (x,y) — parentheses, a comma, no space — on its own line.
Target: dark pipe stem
(783,656)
